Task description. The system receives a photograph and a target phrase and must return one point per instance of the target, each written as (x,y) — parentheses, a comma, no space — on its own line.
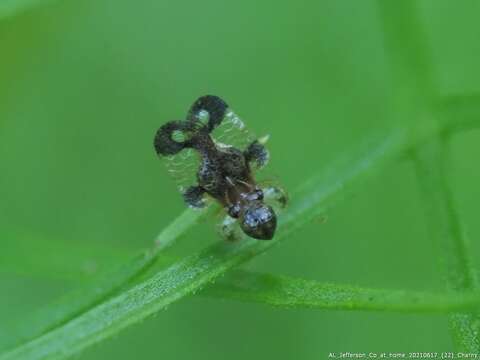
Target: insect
(223,166)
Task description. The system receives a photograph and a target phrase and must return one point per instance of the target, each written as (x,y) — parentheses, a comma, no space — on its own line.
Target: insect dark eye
(220,164)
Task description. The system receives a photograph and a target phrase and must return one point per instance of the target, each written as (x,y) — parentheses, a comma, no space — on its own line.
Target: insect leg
(193,197)
(230,230)
(277,195)
(257,152)
(213,105)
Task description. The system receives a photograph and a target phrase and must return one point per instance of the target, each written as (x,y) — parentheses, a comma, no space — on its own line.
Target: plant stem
(287,292)
(102,288)
(196,271)
(78,301)
(446,229)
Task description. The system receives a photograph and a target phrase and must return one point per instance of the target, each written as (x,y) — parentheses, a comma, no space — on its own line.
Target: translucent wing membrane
(183,168)
(233,132)
(212,152)
(172,145)
(224,126)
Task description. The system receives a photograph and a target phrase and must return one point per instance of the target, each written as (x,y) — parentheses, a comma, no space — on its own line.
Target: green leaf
(287,292)
(195,272)
(76,302)
(411,69)
(107,284)
(446,229)
(178,227)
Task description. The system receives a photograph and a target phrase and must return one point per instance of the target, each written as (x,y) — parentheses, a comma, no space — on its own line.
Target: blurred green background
(85,84)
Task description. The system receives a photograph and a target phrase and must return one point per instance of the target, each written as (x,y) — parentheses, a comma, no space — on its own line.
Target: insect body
(224,172)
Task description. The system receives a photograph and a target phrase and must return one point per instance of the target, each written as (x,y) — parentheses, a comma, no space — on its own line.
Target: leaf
(446,229)
(107,284)
(287,292)
(411,68)
(178,227)
(196,271)
(76,302)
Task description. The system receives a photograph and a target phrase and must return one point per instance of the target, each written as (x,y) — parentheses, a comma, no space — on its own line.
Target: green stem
(195,272)
(102,288)
(77,302)
(287,292)
(177,228)
(410,63)
(313,200)
(446,229)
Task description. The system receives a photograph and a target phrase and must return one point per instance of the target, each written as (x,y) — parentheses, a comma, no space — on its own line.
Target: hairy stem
(196,271)
(287,292)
